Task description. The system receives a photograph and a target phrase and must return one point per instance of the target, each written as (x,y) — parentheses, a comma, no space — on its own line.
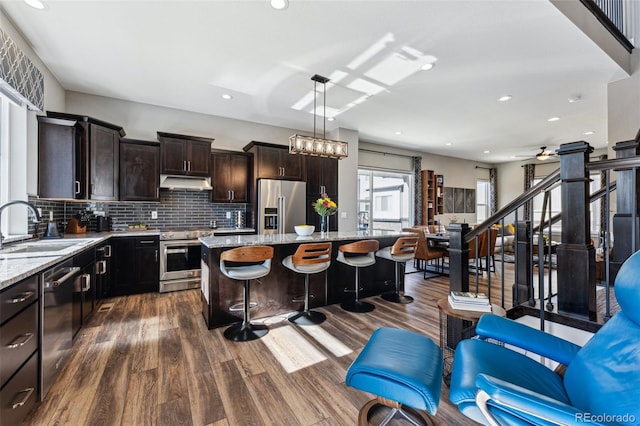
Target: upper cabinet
(322,176)
(184,155)
(139,170)
(274,161)
(230,174)
(78,157)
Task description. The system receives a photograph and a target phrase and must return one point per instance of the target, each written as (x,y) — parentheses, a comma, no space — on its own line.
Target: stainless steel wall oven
(180,259)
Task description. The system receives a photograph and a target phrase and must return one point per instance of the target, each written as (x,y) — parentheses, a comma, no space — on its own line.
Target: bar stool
(359,255)
(259,258)
(309,259)
(402,251)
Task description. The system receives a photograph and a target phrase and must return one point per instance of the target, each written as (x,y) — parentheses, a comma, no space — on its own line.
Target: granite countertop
(13,270)
(272,239)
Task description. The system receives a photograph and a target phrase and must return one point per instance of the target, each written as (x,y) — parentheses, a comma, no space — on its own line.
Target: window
(387,199)
(13,164)
(556,206)
(482,200)
(595,226)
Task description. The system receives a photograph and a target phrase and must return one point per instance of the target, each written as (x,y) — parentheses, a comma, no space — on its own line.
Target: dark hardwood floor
(150,360)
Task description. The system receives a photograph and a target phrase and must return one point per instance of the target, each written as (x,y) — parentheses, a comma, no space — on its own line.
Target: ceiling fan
(544,155)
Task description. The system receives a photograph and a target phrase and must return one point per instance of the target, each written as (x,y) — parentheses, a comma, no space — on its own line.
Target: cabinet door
(198,158)
(220,178)
(104,152)
(291,165)
(268,159)
(322,175)
(60,159)
(139,172)
(122,266)
(239,178)
(147,272)
(174,156)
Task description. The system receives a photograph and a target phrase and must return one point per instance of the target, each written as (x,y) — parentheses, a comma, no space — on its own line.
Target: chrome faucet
(36,215)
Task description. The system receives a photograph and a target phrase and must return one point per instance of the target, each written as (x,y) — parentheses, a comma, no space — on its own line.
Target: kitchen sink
(42,248)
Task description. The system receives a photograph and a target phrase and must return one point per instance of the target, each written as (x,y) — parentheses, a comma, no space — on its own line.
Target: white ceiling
(186,54)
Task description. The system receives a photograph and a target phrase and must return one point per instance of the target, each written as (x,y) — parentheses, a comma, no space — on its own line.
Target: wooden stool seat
(359,254)
(233,264)
(402,251)
(309,259)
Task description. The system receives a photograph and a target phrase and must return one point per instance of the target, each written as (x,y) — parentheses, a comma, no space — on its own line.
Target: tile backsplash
(176,209)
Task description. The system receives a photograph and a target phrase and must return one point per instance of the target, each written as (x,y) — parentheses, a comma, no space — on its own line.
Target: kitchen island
(281,291)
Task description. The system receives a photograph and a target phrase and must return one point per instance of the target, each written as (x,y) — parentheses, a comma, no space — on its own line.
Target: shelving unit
(439,184)
(432,196)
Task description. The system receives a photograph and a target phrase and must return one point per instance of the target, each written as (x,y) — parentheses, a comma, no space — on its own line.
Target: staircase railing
(526,245)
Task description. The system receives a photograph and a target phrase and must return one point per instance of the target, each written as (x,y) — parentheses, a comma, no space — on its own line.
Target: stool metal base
(245,332)
(308,318)
(397,298)
(378,412)
(357,306)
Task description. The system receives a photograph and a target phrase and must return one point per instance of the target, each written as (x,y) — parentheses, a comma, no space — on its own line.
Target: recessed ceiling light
(226,96)
(36,4)
(279,4)
(574,98)
(428,66)
(398,132)
(505,98)
(448,144)
(590,132)
(553,119)
(486,152)
(330,118)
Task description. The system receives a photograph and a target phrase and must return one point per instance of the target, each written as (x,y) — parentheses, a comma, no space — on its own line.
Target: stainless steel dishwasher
(56,327)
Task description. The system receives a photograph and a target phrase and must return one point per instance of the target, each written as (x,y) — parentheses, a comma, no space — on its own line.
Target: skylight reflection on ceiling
(393,63)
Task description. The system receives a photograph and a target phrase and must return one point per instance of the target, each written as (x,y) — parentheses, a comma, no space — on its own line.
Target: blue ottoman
(403,369)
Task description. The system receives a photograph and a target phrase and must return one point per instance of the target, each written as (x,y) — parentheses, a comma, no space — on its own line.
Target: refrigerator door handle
(282,215)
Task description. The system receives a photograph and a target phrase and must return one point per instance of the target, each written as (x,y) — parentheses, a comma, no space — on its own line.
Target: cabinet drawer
(15,298)
(18,340)
(19,395)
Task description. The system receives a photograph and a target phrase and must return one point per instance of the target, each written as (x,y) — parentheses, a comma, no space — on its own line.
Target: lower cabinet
(135,266)
(19,350)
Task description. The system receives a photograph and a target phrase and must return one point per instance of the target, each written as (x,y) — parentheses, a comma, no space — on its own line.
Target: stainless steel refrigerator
(281,205)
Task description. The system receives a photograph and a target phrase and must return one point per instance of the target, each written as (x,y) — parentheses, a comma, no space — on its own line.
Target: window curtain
(417,189)
(19,78)
(493,190)
(529,175)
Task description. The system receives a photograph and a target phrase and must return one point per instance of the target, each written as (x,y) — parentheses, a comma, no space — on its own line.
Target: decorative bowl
(304,230)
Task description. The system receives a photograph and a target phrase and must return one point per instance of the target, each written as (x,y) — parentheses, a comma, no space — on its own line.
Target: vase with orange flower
(325,207)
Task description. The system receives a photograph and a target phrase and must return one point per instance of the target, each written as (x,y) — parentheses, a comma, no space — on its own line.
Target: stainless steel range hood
(185,182)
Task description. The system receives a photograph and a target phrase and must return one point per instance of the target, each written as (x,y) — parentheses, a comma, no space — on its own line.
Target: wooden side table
(469,318)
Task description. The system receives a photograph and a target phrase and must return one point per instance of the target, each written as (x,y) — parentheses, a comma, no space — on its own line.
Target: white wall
(142,121)
(54,99)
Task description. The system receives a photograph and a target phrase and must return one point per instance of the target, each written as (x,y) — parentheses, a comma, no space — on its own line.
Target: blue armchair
(495,385)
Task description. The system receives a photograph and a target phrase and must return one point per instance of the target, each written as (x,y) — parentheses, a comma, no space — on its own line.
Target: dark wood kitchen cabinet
(19,350)
(322,176)
(230,176)
(78,157)
(184,155)
(135,266)
(139,170)
(272,161)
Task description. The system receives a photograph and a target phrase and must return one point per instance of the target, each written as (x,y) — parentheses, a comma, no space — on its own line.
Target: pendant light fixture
(322,147)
